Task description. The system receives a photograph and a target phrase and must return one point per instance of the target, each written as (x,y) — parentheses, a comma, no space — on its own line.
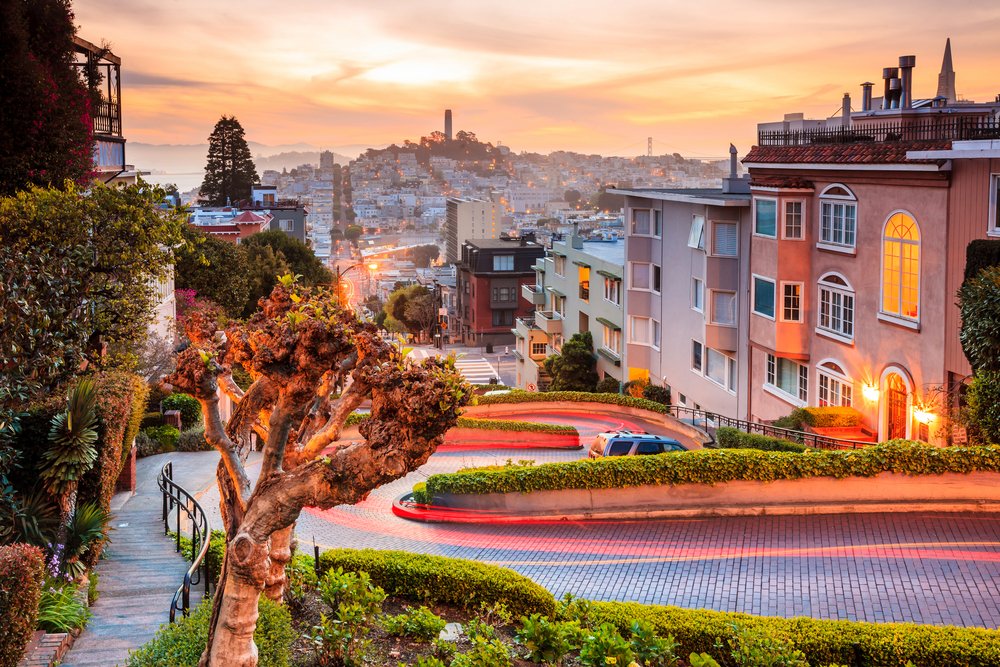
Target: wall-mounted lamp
(923,416)
(870,392)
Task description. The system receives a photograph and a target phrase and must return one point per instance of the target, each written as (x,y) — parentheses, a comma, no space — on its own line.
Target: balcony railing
(108,119)
(938,128)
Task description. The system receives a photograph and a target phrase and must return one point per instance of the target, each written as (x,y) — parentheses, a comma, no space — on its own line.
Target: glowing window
(901,267)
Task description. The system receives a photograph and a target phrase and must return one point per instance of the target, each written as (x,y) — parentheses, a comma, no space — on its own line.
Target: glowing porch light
(923,416)
(870,392)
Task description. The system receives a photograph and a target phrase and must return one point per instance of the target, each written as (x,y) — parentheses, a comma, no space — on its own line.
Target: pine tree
(575,368)
(230,172)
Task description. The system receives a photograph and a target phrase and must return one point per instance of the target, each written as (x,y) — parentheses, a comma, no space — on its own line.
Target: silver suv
(626,443)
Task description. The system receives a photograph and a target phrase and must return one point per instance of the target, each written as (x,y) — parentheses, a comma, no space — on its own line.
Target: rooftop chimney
(732,161)
(889,74)
(733,184)
(845,111)
(906,64)
(866,96)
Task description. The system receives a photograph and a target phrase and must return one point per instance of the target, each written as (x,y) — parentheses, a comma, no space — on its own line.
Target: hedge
(710,466)
(518,396)
(22,570)
(438,579)
(213,557)
(187,405)
(490,425)
(181,644)
(826,417)
(823,642)
(981,254)
(731,438)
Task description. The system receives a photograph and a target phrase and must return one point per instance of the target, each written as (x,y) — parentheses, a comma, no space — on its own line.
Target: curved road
(925,568)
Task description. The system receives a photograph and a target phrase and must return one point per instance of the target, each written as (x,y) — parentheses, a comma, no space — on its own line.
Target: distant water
(183,181)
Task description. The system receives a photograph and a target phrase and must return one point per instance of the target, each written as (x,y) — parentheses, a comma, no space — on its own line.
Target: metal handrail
(813,440)
(176,498)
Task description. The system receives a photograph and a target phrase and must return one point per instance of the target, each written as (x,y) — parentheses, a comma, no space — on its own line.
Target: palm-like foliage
(31,518)
(73,437)
(89,525)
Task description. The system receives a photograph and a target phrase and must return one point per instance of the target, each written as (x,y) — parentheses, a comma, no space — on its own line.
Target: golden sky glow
(576,75)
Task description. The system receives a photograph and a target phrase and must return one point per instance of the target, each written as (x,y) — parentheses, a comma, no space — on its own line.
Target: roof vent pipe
(866,96)
(906,64)
(845,111)
(732,161)
(888,74)
(895,93)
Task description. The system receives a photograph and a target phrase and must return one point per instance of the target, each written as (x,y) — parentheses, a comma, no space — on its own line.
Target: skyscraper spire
(946,79)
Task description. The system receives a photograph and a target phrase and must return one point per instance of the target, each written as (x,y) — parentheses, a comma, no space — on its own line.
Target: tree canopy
(300,258)
(215,270)
(574,368)
(414,307)
(230,173)
(45,120)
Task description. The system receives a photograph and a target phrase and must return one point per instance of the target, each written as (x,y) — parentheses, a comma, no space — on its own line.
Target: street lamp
(340,274)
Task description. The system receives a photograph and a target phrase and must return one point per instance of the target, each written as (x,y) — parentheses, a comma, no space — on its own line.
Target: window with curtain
(901,267)
(835,389)
(724,239)
(836,306)
(763,296)
(640,221)
(724,308)
(789,377)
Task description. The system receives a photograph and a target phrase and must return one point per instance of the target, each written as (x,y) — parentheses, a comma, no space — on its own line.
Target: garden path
(141,569)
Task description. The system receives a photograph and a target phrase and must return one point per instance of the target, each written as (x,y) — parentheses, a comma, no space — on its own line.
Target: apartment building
(467,218)
(577,287)
(857,248)
(489,288)
(686,307)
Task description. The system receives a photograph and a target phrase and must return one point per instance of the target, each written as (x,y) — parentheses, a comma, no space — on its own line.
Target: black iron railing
(935,128)
(108,118)
(710,421)
(176,500)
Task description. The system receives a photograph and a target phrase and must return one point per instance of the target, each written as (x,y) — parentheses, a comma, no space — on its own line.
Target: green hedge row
(710,466)
(213,557)
(823,642)
(827,417)
(438,579)
(490,425)
(22,570)
(731,438)
(518,396)
(181,644)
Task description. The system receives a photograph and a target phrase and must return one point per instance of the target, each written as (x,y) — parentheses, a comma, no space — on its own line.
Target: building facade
(465,219)
(489,283)
(577,288)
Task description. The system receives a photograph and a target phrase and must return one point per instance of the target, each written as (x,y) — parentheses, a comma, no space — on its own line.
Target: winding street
(937,568)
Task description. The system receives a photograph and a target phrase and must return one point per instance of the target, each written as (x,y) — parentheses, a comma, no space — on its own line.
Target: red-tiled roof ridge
(874,152)
(249,216)
(790,182)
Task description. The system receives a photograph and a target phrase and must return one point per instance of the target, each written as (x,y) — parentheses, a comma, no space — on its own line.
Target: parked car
(627,443)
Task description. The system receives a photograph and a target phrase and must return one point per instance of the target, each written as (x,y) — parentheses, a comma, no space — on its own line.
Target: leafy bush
(420,494)
(712,466)
(822,642)
(87,532)
(518,396)
(512,425)
(656,394)
(484,653)
(826,417)
(193,440)
(751,647)
(215,555)
(301,575)
(983,406)
(166,436)
(437,579)
(548,641)
(181,644)
(605,646)
(59,608)
(421,624)
(608,385)
(650,649)
(145,445)
(731,438)
(187,405)
(22,569)
(354,601)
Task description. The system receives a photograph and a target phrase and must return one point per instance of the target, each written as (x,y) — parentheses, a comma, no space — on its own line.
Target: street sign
(531,387)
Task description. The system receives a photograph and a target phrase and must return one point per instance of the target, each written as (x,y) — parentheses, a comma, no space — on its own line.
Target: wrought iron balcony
(933,128)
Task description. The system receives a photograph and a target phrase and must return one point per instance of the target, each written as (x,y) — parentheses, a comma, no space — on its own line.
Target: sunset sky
(544,75)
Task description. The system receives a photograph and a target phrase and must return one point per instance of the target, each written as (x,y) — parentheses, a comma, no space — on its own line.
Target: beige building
(469,219)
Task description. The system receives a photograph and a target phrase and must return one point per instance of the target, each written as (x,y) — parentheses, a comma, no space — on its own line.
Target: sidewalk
(141,570)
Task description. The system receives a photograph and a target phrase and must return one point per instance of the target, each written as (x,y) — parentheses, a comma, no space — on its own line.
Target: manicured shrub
(146,446)
(518,396)
(22,570)
(215,555)
(731,438)
(983,406)
(165,435)
(181,644)
(711,466)
(826,417)
(656,394)
(187,405)
(490,425)
(608,385)
(193,440)
(981,254)
(420,624)
(546,640)
(437,579)
(822,642)
(420,493)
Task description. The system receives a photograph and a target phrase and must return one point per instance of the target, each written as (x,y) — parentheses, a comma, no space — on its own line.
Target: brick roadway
(926,568)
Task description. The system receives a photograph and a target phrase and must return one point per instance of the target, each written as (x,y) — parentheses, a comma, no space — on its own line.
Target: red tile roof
(248,216)
(790,182)
(874,152)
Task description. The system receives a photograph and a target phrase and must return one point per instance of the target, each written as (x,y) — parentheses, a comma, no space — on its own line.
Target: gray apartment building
(578,287)
(686,297)
(288,216)
(467,218)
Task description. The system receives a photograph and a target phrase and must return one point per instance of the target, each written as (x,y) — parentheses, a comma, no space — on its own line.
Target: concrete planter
(886,492)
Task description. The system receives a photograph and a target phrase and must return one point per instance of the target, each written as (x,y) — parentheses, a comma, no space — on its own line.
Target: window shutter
(724,240)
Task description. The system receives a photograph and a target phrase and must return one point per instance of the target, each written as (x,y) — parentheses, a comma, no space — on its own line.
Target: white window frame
(286,224)
(802,220)
(846,291)
(655,278)
(649,222)
(634,322)
(559,265)
(753,296)
(899,318)
(832,200)
(697,294)
(614,337)
(732,370)
(698,345)
(613,287)
(777,217)
(801,398)
(824,372)
(542,343)
(655,333)
(499,261)
(993,223)
(712,310)
(657,223)
(696,235)
(736,238)
(631,276)
(801,295)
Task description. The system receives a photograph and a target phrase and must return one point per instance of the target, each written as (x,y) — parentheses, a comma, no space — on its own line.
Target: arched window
(901,267)
(836,307)
(838,218)
(835,387)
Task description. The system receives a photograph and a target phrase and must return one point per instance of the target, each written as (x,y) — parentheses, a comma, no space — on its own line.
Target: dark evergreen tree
(299,257)
(575,367)
(230,172)
(45,124)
